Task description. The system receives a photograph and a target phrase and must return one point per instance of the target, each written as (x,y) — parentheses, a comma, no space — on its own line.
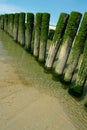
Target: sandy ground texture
(23,107)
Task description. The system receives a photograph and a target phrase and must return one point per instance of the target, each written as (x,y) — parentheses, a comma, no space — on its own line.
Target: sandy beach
(23,107)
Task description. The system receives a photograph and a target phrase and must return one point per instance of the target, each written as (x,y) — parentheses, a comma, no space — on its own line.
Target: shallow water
(31,72)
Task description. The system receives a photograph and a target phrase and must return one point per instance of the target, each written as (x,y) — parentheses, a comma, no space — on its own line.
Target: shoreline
(31,102)
(24,107)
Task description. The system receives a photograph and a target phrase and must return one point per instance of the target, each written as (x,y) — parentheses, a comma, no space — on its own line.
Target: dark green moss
(11,24)
(57,39)
(38,22)
(6,22)
(8,30)
(72,25)
(44,36)
(22,21)
(51,34)
(2,22)
(61,26)
(81,37)
(82,75)
(29,30)
(37,29)
(45,27)
(76,90)
(16,19)
(30,21)
(85,105)
(16,25)
(32,41)
(47,70)
(21,30)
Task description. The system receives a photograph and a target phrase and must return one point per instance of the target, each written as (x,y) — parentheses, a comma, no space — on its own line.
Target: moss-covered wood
(77,49)
(16,25)
(2,22)
(77,88)
(11,24)
(21,30)
(85,104)
(32,42)
(38,22)
(8,30)
(69,36)
(6,22)
(44,36)
(51,34)
(60,28)
(29,30)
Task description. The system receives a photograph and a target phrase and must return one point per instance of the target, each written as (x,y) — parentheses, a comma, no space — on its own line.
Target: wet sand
(23,107)
(30,99)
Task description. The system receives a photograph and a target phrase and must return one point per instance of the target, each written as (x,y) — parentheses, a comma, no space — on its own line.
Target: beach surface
(23,107)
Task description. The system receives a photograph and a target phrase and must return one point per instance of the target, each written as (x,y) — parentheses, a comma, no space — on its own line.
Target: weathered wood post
(51,34)
(38,22)
(29,30)
(16,25)
(8,30)
(60,28)
(2,22)
(69,36)
(77,88)
(77,49)
(44,36)
(6,22)
(32,42)
(21,30)
(11,24)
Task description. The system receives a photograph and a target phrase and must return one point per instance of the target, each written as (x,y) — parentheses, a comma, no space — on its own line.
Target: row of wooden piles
(66,56)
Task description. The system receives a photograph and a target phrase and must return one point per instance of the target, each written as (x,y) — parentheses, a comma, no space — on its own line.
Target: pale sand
(23,107)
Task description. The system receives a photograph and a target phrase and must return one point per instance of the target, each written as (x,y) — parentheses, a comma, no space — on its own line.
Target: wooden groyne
(70,37)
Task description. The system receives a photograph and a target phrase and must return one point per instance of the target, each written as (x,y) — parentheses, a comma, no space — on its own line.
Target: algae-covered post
(51,34)
(60,28)
(68,38)
(29,30)
(44,36)
(11,24)
(16,25)
(32,42)
(77,49)
(38,22)
(77,88)
(6,22)
(2,22)
(8,30)
(21,30)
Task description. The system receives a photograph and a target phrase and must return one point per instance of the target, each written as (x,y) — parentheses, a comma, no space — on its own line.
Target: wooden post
(77,49)
(8,30)
(77,88)
(69,36)
(60,28)
(16,25)
(37,34)
(44,36)
(11,24)
(2,22)
(21,30)
(5,22)
(29,30)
